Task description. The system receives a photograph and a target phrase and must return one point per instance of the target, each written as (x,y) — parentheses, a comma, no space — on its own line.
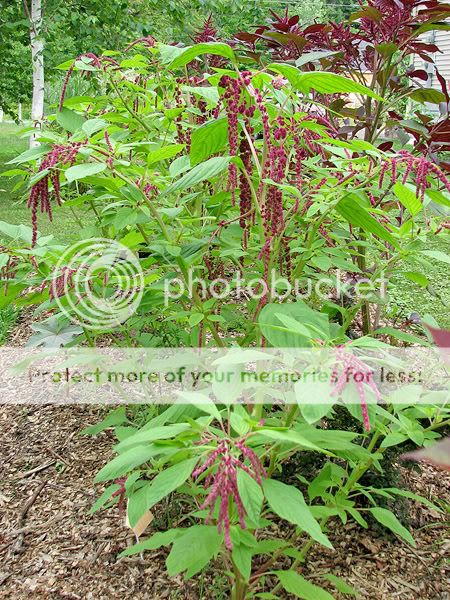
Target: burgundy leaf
(419,74)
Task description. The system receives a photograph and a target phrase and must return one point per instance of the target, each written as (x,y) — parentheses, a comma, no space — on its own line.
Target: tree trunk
(37,56)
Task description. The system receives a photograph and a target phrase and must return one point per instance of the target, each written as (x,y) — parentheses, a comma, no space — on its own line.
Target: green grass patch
(408,297)
(8,318)
(13,207)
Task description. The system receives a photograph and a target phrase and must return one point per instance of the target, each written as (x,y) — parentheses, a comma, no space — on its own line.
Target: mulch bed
(53,548)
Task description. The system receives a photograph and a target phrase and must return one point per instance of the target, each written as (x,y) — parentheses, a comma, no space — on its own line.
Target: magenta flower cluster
(39,193)
(419,165)
(353,369)
(236,105)
(224,462)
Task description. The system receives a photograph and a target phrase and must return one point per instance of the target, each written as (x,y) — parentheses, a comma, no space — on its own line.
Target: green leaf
(424,95)
(353,212)
(164,153)
(251,495)
(300,587)
(438,255)
(116,417)
(84,170)
(288,503)
(162,538)
(408,198)
(70,120)
(201,172)
(412,496)
(242,558)
(389,520)
(151,434)
(31,154)
(281,335)
(416,277)
(387,49)
(313,57)
(163,484)
(324,83)
(439,197)
(103,499)
(191,52)
(93,125)
(401,335)
(208,139)
(341,585)
(393,439)
(195,319)
(193,550)
(309,395)
(288,437)
(127,461)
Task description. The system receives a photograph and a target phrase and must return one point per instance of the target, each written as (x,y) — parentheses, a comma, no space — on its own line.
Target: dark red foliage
(208,33)
(377,22)
(148,41)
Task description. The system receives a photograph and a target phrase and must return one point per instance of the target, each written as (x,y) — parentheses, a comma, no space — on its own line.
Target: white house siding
(441,59)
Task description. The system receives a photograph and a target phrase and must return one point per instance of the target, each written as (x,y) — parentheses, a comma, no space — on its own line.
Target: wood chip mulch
(50,547)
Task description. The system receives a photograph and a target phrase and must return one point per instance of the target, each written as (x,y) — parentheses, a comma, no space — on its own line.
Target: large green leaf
(162,432)
(292,325)
(408,198)
(201,172)
(163,153)
(355,214)
(208,139)
(313,397)
(192,52)
(437,255)
(193,550)
(324,83)
(389,520)
(288,503)
(116,417)
(161,538)
(251,495)
(163,484)
(242,558)
(128,460)
(84,170)
(70,120)
(300,587)
(424,95)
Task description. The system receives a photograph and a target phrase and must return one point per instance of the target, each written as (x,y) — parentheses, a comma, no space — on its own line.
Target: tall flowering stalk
(224,463)
(348,367)
(39,193)
(99,62)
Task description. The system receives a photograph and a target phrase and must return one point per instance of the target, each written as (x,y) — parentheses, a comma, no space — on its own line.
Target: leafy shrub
(200,164)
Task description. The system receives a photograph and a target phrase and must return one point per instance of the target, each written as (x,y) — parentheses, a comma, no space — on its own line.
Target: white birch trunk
(37,56)
(19,111)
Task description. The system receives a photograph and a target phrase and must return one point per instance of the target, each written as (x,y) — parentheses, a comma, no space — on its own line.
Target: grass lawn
(405,295)
(13,204)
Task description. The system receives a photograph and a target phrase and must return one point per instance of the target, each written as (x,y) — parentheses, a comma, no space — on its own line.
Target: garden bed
(66,553)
